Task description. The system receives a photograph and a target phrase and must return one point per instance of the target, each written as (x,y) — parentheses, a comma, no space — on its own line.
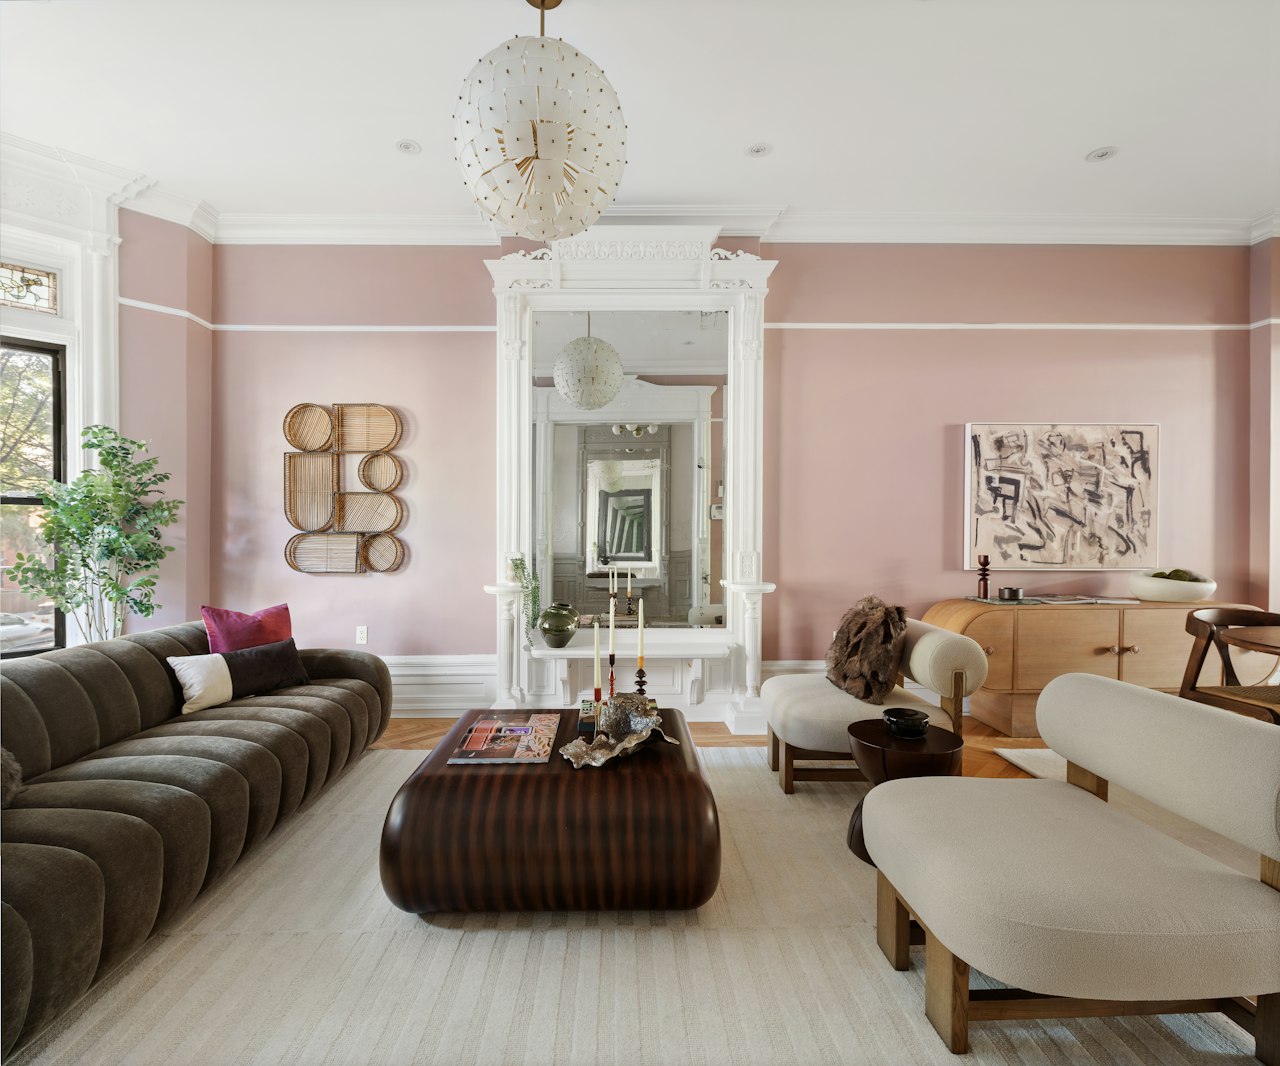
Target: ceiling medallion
(588,372)
(539,135)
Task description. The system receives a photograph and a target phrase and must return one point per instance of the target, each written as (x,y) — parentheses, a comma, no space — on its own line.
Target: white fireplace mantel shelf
(658,644)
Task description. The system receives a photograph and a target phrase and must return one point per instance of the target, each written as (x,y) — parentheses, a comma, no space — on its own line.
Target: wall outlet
(717,512)
(362,634)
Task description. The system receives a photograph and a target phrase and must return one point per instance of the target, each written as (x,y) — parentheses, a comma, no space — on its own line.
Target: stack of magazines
(508,738)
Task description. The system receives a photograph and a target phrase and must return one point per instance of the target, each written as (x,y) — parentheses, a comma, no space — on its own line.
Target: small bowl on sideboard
(1166,590)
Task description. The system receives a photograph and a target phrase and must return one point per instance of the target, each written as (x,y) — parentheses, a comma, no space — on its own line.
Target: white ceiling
(886,117)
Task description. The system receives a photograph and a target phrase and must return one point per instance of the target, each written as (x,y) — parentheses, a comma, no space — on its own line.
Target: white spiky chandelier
(539,135)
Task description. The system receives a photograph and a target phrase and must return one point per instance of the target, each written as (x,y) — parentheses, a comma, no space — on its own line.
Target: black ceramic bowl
(906,723)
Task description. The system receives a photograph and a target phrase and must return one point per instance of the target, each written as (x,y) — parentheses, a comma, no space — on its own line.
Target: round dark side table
(883,757)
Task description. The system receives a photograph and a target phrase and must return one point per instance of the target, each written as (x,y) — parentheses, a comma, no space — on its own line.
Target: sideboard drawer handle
(1133,649)
(989,650)
(1114,649)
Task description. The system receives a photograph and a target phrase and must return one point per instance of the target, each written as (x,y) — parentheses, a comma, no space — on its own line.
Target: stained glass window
(36,290)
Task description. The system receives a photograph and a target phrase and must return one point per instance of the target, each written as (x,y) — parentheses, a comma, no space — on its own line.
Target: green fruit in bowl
(1160,573)
(1180,575)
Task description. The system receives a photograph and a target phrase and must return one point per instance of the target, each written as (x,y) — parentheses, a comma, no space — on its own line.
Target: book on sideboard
(515,737)
(1055,597)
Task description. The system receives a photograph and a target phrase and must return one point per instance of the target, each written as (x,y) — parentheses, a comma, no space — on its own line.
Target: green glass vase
(558,624)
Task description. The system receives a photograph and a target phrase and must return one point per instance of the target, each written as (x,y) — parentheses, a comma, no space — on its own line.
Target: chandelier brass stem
(543,7)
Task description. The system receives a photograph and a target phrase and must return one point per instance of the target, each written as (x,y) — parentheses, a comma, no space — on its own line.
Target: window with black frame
(31,446)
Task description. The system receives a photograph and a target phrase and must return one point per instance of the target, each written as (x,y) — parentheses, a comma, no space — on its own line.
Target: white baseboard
(436,686)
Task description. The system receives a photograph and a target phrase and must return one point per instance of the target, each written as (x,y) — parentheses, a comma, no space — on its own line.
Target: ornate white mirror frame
(638,268)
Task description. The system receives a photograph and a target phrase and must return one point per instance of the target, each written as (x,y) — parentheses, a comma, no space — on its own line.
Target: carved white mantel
(658,268)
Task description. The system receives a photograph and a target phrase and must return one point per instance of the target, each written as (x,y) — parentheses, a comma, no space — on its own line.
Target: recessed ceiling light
(408,147)
(759,149)
(1099,154)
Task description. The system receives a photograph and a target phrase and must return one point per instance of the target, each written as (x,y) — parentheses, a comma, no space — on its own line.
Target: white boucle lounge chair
(1085,909)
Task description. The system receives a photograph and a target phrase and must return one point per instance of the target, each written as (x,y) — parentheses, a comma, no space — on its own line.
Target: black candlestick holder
(631,604)
(640,675)
(611,681)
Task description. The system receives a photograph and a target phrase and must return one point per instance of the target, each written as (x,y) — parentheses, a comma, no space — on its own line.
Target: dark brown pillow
(865,656)
(10,777)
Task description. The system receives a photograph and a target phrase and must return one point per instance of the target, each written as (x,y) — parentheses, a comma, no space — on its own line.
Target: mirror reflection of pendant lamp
(539,135)
(588,373)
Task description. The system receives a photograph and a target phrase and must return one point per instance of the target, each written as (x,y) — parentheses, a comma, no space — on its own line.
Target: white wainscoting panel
(429,686)
(439,686)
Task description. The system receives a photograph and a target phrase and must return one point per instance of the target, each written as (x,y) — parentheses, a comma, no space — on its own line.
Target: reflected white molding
(652,268)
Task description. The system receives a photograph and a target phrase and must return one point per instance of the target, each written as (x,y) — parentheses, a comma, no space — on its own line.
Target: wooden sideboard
(1028,645)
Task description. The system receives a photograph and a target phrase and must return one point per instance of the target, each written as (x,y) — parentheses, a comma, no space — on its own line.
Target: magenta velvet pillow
(233,631)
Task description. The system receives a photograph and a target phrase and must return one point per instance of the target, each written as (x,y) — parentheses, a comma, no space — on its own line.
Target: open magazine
(518,737)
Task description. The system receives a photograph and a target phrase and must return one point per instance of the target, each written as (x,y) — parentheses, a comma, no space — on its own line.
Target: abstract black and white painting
(1061,497)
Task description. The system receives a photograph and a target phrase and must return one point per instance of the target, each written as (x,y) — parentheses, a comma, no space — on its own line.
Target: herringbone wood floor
(979,742)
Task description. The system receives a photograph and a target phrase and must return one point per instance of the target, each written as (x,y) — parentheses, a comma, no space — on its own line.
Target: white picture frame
(1061,495)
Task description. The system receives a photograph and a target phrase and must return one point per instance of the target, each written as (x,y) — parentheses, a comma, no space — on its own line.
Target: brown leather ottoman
(640,833)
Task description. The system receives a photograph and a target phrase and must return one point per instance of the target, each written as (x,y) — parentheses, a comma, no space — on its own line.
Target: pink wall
(442,385)
(166,362)
(352,285)
(1006,283)
(864,479)
(863,428)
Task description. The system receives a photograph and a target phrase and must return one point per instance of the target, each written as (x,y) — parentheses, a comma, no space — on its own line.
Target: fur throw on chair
(865,656)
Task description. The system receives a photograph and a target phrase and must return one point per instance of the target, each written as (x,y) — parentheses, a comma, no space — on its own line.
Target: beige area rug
(297,957)
(1038,762)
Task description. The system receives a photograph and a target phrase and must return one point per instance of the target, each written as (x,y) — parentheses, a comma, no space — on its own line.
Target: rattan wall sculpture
(342,532)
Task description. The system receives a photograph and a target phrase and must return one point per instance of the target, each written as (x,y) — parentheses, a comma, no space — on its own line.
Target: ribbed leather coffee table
(640,833)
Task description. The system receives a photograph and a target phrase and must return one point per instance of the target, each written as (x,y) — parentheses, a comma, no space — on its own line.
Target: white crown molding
(731,220)
(844,227)
(63,193)
(355,229)
(1265,227)
(196,215)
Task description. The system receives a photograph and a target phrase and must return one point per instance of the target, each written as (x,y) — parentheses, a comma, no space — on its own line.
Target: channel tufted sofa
(129,808)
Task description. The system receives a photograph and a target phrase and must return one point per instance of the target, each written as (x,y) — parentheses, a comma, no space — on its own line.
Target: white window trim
(60,211)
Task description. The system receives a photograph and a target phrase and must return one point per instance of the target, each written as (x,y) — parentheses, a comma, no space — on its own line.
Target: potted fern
(530,593)
(103,531)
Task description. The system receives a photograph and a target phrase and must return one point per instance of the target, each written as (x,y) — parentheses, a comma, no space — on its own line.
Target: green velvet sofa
(129,809)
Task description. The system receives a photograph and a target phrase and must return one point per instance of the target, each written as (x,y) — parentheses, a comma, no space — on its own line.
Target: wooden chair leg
(893,924)
(773,749)
(946,994)
(788,774)
(1266,1030)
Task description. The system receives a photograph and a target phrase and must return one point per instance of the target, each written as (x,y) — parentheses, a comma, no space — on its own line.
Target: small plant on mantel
(530,592)
(103,531)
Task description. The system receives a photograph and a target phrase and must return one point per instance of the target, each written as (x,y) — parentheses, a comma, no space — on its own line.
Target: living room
(843,254)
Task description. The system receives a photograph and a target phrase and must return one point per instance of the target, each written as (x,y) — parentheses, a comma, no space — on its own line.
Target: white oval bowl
(1161,589)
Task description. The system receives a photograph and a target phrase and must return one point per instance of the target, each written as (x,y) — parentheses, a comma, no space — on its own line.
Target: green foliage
(26,421)
(103,530)
(531,592)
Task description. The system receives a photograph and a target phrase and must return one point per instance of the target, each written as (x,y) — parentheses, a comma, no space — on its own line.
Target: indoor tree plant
(103,531)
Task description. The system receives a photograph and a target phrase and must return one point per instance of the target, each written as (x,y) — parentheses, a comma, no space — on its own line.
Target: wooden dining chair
(1206,625)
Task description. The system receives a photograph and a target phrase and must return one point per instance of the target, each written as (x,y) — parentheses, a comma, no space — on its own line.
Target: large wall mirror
(637,484)
(662,480)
